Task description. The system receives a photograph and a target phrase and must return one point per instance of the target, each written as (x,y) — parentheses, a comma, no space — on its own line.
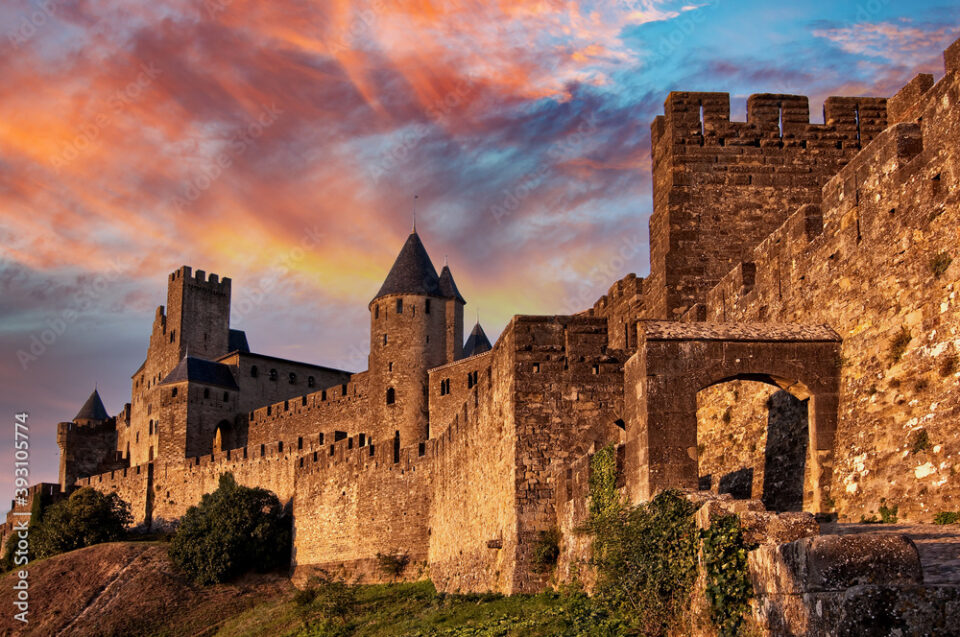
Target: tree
(87,517)
(233,530)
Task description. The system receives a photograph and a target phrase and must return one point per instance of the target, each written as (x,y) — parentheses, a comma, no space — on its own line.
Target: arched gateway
(675,360)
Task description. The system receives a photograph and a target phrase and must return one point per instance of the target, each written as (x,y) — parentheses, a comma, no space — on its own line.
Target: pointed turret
(412,272)
(477,342)
(92,410)
(448,286)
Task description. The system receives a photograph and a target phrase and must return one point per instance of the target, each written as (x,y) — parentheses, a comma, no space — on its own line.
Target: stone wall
(877,259)
(450,386)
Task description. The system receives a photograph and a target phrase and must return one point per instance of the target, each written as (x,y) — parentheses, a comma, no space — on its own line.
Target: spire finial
(415,197)
(445,262)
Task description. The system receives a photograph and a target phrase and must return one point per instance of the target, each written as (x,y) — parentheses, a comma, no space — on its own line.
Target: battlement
(184,274)
(703,119)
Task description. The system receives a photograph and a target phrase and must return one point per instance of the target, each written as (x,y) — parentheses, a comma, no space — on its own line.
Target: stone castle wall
(877,259)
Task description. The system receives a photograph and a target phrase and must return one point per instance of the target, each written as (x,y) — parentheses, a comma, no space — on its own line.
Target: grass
(407,609)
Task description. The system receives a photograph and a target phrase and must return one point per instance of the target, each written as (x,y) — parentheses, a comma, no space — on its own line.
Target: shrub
(392,564)
(645,556)
(888,515)
(898,346)
(728,585)
(947,517)
(939,264)
(233,530)
(546,551)
(87,517)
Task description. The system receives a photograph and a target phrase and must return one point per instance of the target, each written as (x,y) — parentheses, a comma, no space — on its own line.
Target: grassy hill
(131,589)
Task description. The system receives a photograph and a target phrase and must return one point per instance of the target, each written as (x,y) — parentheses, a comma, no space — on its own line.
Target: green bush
(233,530)
(546,551)
(728,585)
(947,517)
(645,556)
(86,518)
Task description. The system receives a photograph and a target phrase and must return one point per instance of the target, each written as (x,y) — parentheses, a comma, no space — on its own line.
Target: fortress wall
(360,501)
(131,484)
(621,306)
(567,385)
(257,391)
(473,522)
(178,486)
(338,408)
(888,219)
(444,407)
(720,187)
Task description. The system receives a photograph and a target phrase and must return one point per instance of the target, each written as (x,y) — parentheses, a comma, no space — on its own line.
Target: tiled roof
(237,342)
(477,342)
(412,272)
(198,370)
(448,287)
(93,409)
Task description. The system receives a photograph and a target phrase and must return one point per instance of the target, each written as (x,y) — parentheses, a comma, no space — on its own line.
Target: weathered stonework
(795,343)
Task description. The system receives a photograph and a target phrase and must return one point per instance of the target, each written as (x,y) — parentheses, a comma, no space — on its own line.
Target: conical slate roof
(477,342)
(199,370)
(448,287)
(93,409)
(412,272)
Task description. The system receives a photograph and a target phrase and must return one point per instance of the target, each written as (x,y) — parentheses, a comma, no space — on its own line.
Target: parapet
(703,119)
(213,283)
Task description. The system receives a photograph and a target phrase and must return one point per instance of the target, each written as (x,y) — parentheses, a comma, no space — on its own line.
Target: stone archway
(223,438)
(674,361)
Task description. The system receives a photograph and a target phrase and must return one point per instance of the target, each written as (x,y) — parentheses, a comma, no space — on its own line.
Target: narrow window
(300,442)
(426,307)
(428,338)
(226,396)
(311,381)
(536,368)
(206,392)
(391,396)
(384,339)
(376,311)
(151,428)
(396,447)
(389,367)
(469,381)
(173,394)
(172,335)
(343,388)
(273,374)
(293,378)
(304,400)
(399,306)
(280,446)
(254,371)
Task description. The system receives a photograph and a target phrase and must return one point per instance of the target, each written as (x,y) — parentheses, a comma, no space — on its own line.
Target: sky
(281,144)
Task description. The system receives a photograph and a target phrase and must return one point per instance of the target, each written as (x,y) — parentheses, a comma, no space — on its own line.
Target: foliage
(232,530)
(87,517)
(728,586)
(888,515)
(921,441)
(898,345)
(940,263)
(392,564)
(645,556)
(947,517)
(546,551)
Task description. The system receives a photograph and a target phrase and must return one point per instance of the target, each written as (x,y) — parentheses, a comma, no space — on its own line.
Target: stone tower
(416,323)
(88,443)
(720,186)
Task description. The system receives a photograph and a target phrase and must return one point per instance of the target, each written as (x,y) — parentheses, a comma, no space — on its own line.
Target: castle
(819,260)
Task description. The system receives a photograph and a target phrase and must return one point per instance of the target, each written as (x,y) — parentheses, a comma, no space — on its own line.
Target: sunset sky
(280,143)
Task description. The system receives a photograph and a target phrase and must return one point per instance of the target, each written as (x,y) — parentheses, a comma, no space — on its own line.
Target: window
(150,430)
(254,371)
(445,387)
(426,307)
(226,396)
(536,368)
(173,393)
(399,306)
(391,396)
(173,334)
(206,392)
(389,367)
(384,339)
(273,374)
(311,381)
(376,311)
(293,378)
